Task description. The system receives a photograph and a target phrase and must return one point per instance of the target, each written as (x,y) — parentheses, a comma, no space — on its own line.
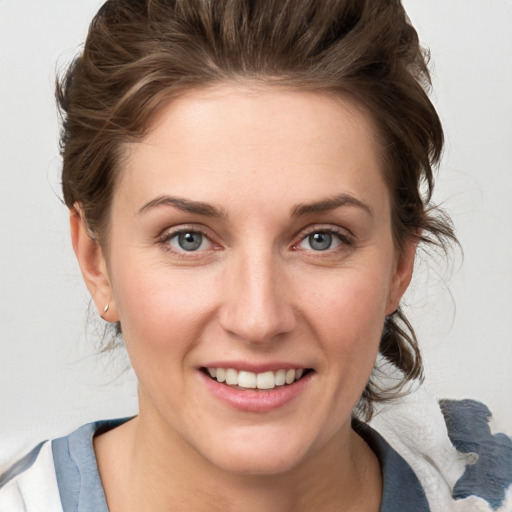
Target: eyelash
(345,241)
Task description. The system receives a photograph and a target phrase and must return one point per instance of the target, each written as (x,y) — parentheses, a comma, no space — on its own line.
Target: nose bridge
(257,306)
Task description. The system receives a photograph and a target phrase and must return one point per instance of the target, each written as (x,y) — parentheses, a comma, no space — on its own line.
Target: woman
(244,187)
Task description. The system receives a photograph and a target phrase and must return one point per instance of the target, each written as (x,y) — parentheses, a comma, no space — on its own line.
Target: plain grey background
(50,379)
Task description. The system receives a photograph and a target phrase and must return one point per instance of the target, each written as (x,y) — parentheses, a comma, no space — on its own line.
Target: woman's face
(250,236)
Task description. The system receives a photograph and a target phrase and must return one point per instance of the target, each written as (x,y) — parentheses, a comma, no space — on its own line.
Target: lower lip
(253,400)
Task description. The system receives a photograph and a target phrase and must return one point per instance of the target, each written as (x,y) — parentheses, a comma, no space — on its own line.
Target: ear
(402,275)
(93,265)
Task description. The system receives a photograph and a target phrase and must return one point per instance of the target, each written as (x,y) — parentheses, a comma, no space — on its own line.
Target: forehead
(239,142)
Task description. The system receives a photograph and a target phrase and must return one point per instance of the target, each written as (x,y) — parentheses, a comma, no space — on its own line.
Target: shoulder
(30,485)
(57,476)
(461,464)
(401,488)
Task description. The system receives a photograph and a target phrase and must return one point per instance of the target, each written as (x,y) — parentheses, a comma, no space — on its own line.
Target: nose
(257,305)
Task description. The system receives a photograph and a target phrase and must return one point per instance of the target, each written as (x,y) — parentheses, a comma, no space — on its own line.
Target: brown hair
(140,53)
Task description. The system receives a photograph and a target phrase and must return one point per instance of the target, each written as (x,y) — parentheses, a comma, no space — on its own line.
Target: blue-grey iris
(190,241)
(320,241)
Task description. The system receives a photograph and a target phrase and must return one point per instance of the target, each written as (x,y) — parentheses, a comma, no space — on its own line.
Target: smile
(249,380)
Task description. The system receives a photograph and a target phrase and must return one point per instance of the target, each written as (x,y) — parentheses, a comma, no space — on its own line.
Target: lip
(255,401)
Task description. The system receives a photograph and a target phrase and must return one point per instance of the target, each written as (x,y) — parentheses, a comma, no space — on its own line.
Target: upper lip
(254,367)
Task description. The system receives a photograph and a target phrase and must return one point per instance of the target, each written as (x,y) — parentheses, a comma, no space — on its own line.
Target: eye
(323,240)
(189,241)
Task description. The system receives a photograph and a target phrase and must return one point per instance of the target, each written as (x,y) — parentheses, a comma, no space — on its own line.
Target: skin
(256,291)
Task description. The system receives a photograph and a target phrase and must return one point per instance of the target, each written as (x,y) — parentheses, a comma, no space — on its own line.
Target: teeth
(290,376)
(250,380)
(231,377)
(247,380)
(266,380)
(280,377)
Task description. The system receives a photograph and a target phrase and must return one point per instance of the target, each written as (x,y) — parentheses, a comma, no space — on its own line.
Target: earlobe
(93,265)
(402,275)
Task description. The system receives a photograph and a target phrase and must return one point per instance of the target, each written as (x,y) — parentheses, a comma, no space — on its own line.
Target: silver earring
(105,309)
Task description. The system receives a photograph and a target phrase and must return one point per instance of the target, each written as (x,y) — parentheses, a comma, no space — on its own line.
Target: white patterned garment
(461,464)
(35,489)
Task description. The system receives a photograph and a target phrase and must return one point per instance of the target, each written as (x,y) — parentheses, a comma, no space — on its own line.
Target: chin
(261,453)
(258,464)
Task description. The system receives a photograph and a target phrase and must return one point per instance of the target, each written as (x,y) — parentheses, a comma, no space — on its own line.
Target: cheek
(161,309)
(346,315)
(350,304)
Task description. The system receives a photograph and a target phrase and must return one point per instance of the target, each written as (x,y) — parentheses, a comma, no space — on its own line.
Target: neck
(163,474)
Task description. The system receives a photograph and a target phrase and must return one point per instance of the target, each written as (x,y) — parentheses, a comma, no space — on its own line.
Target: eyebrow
(299,210)
(331,203)
(185,205)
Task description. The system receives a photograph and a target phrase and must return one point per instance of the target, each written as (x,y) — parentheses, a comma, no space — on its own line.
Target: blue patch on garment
(468,430)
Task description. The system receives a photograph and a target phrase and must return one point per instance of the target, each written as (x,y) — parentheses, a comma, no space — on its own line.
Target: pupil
(320,241)
(190,241)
